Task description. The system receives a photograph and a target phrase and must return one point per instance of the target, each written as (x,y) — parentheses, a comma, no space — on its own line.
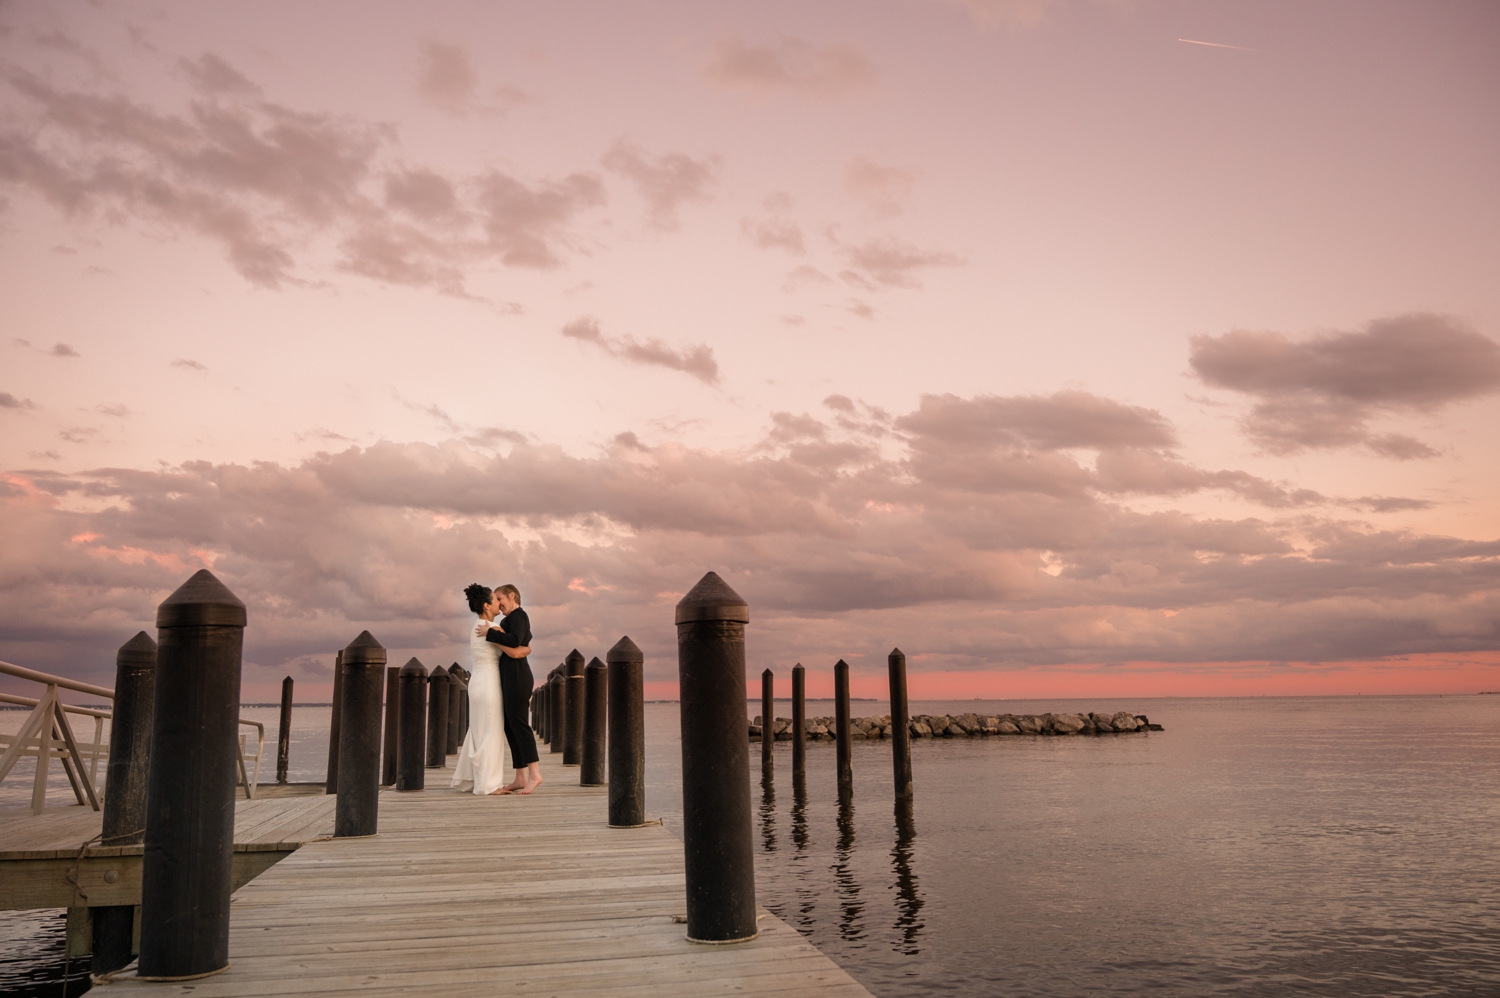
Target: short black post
(388,745)
(841,723)
(900,723)
(717,832)
(437,718)
(284,732)
(573,726)
(455,681)
(557,712)
(627,735)
(595,723)
(412,728)
(331,781)
(767,719)
(799,720)
(463,703)
(125,788)
(359,738)
(187,871)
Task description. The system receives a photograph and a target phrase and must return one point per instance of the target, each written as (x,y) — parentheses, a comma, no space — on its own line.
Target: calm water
(1320,846)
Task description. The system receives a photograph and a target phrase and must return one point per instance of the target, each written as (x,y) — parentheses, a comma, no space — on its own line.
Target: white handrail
(21,672)
(32,702)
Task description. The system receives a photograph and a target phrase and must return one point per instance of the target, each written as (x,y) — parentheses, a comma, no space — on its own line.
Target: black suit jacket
(517,634)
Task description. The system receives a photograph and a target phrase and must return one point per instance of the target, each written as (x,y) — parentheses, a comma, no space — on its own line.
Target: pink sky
(1071,357)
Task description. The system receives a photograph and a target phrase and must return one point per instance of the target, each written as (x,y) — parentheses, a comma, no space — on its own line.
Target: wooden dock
(465,895)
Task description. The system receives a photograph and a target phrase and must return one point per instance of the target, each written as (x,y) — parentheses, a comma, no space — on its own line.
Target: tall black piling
(463,704)
(718,837)
(557,712)
(900,724)
(455,686)
(359,739)
(411,747)
(799,720)
(437,718)
(125,787)
(187,870)
(573,726)
(627,735)
(331,780)
(767,719)
(284,732)
(841,723)
(388,746)
(595,723)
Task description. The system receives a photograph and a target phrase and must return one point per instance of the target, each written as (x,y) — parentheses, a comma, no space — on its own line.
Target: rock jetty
(967,725)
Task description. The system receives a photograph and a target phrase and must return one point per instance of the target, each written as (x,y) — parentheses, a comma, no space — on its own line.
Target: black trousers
(516,685)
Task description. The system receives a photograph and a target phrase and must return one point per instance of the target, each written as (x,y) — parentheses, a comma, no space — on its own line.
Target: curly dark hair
(478,596)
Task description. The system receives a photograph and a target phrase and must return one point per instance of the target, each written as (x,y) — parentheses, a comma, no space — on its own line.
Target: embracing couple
(499,695)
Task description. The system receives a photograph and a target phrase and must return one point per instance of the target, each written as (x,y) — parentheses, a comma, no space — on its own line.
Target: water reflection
(908,897)
(806,890)
(851,908)
(767,809)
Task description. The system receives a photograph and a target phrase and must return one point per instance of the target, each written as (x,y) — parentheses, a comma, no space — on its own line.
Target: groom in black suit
(516,684)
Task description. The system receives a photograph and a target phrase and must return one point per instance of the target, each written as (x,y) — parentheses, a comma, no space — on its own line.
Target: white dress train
(483,759)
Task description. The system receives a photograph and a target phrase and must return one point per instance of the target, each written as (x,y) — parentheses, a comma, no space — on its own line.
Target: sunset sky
(1077,348)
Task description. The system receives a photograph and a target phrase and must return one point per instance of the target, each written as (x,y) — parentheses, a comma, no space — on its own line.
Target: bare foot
(501,792)
(530,787)
(511,788)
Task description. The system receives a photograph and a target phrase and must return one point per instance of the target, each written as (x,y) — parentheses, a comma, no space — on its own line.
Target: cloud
(446,78)
(664,182)
(9,401)
(213,75)
(885,190)
(1323,391)
(789,65)
(775,229)
(881,264)
(992,13)
(116,409)
(189,365)
(803,275)
(63,350)
(697,361)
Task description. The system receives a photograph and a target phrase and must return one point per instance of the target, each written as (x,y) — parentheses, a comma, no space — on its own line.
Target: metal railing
(46,734)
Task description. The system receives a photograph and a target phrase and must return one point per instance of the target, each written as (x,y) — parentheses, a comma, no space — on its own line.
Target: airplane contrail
(1217,45)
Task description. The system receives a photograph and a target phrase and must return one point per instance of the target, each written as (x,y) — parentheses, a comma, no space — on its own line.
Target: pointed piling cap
(767,673)
(896,655)
(364,650)
(439,673)
(625,652)
(798,668)
(841,664)
(137,653)
(574,663)
(202,601)
(414,668)
(594,663)
(712,599)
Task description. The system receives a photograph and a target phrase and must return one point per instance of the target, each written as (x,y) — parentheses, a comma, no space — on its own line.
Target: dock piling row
(359,738)
(595,723)
(411,744)
(627,735)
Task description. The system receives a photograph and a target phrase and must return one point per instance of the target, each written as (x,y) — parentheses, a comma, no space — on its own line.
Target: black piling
(389,745)
(125,788)
(411,747)
(900,724)
(359,739)
(841,723)
(331,781)
(627,735)
(573,726)
(437,718)
(463,705)
(284,732)
(718,837)
(799,720)
(455,684)
(557,711)
(595,723)
(187,870)
(767,719)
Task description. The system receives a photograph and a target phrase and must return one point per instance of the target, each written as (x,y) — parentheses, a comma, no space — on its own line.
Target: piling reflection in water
(851,908)
(767,810)
(908,898)
(805,890)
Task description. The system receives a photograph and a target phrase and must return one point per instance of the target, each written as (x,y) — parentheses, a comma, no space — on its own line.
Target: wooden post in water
(841,724)
(125,788)
(627,736)
(437,718)
(331,781)
(768,719)
(799,720)
(595,723)
(573,726)
(412,729)
(189,847)
(392,720)
(284,732)
(900,724)
(359,739)
(717,832)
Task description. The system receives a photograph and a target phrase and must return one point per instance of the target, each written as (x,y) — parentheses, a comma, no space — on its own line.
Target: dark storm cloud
(1323,392)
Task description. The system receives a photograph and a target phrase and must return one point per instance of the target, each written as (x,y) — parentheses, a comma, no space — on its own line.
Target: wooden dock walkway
(465,895)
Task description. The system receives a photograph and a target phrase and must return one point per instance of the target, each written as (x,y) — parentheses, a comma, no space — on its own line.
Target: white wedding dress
(484,758)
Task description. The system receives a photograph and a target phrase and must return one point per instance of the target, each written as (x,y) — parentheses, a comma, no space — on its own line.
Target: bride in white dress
(483,759)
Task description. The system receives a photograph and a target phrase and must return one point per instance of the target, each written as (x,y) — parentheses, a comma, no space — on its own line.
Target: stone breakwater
(966,725)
